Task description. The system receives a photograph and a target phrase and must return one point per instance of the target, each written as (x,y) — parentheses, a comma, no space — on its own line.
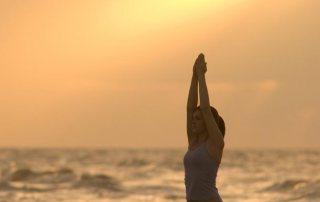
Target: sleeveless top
(200,175)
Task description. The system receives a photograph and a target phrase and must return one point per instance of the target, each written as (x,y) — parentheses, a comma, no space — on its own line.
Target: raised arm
(192,103)
(215,135)
(193,93)
(203,90)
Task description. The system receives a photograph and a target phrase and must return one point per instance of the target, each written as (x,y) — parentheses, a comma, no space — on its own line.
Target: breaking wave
(300,188)
(26,179)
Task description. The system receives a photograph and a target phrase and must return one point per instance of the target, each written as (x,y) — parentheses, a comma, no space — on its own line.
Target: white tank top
(200,175)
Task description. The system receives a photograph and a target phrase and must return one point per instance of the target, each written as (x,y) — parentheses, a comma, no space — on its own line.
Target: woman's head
(198,125)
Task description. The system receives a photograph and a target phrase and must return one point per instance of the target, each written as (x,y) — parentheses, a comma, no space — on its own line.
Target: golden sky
(116,73)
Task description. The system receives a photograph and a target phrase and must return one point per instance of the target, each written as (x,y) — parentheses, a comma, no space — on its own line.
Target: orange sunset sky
(116,73)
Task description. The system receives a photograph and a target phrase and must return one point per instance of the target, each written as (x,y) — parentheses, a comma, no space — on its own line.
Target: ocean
(155,175)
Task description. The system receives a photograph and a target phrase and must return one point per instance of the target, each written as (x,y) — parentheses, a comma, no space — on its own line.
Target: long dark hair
(219,120)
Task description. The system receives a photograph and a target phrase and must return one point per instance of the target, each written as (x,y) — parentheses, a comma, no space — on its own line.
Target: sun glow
(146,15)
(135,27)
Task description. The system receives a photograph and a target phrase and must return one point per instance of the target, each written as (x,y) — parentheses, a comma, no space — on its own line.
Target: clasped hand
(200,66)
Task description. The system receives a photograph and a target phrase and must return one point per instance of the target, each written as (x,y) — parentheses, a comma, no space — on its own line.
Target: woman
(205,129)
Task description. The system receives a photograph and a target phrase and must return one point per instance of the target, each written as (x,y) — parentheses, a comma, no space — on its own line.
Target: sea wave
(286,185)
(26,179)
(300,188)
(98,181)
(27,174)
(133,162)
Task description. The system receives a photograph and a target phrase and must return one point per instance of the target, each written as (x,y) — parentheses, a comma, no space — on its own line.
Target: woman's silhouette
(205,129)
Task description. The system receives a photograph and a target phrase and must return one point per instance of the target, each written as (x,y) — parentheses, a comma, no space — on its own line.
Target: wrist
(201,77)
